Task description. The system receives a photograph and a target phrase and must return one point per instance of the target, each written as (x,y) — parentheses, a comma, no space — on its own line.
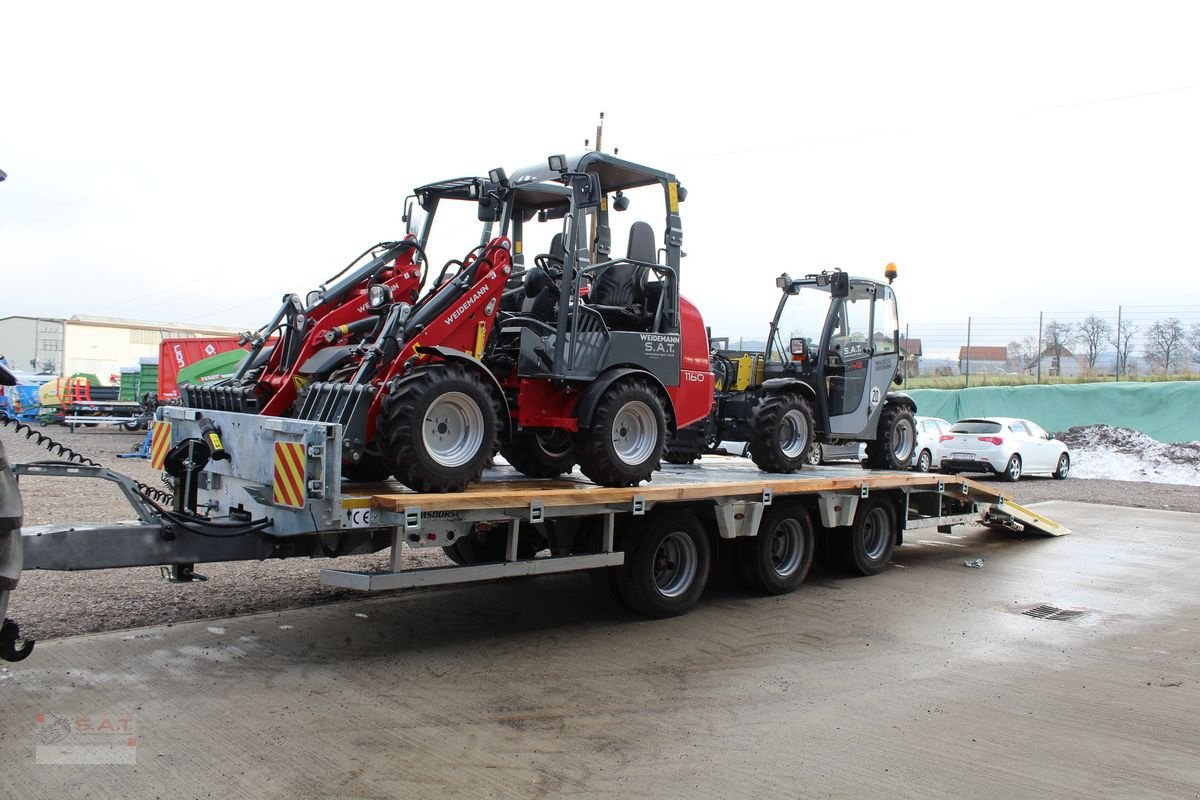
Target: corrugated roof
(984,353)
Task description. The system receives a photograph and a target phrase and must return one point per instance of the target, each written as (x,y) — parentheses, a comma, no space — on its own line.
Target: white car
(1005,446)
(927,455)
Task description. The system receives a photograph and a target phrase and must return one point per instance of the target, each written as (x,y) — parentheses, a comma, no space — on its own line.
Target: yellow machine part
(749,372)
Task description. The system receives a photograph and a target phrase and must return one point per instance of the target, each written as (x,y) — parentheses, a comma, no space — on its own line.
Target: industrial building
(96,345)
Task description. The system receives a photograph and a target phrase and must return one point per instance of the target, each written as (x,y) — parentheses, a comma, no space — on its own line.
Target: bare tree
(1193,340)
(1056,337)
(1122,339)
(1166,343)
(1094,333)
(1016,360)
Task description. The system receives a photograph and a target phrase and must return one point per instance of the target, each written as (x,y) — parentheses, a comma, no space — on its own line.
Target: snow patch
(1121,454)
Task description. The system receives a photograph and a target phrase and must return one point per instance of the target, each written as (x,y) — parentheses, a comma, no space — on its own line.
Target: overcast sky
(193,162)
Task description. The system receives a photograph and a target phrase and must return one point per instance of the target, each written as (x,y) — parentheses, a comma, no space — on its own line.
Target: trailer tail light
(996,440)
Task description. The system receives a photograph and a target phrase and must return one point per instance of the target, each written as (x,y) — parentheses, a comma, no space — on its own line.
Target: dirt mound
(1131,442)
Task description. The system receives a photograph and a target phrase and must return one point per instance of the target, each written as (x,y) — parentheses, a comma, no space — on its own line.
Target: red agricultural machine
(579,359)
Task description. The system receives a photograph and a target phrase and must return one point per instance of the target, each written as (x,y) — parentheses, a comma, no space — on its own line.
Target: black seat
(619,293)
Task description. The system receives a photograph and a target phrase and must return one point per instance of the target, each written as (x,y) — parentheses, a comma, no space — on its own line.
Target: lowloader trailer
(249,487)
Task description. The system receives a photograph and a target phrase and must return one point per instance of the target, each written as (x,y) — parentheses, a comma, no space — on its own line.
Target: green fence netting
(1165,411)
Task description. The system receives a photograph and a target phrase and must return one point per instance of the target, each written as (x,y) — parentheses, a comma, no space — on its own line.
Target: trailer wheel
(667,561)
(625,442)
(540,453)
(778,559)
(894,444)
(866,547)
(439,427)
(781,433)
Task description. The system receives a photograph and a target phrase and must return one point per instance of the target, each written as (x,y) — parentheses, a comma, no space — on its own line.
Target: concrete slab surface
(926,681)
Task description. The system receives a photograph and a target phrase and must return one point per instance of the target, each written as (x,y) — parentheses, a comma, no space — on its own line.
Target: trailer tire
(540,452)
(893,445)
(625,442)
(866,546)
(781,433)
(667,561)
(778,559)
(439,427)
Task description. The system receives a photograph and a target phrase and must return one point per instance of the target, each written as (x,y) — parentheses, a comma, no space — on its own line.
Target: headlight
(378,295)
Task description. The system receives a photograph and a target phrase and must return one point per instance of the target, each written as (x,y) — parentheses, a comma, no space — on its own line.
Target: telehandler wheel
(866,546)
(777,560)
(667,561)
(681,454)
(625,442)
(438,427)
(540,453)
(894,444)
(781,433)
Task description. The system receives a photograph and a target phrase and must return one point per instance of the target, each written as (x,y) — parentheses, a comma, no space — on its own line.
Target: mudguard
(450,354)
(774,385)
(589,398)
(901,399)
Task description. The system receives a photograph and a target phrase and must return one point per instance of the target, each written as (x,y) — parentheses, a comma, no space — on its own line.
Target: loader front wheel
(625,442)
(439,427)
(781,433)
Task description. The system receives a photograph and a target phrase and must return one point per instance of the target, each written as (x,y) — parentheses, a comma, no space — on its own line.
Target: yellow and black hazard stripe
(160,443)
(289,474)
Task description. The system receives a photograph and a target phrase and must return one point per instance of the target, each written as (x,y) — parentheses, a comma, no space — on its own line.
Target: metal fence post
(967,382)
(1039,350)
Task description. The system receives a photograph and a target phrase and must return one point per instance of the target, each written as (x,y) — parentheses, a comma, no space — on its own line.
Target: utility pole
(967,383)
(1118,343)
(904,354)
(595,216)
(1039,350)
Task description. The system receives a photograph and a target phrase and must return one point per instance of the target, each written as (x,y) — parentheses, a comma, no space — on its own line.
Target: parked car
(824,453)
(1004,446)
(928,452)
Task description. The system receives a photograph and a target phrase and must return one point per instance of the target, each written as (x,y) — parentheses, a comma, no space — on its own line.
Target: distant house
(911,349)
(1062,363)
(983,360)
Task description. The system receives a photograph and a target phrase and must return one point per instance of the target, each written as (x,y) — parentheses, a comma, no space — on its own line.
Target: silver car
(1004,446)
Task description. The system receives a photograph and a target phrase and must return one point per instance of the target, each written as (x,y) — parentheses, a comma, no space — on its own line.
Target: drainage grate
(1052,612)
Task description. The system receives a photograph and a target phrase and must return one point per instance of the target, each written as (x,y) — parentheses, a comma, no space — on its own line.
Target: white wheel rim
(787,548)
(902,444)
(793,434)
(453,429)
(634,432)
(675,564)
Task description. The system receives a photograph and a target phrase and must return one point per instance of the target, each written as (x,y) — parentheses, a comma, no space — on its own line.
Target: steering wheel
(553,265)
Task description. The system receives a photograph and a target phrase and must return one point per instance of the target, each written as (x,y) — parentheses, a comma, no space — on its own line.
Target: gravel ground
(51,605)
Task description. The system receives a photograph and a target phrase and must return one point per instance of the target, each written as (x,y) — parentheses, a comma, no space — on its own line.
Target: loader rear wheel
(439,427)
(667,561)
(777,560)
(781,433)
(866,547)
(894,444)
(540,453)
(625,442)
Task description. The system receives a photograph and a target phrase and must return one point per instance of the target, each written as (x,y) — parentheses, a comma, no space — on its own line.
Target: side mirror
(585,190)
(799,349)
(839,284)
(557,164)
(489,201)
